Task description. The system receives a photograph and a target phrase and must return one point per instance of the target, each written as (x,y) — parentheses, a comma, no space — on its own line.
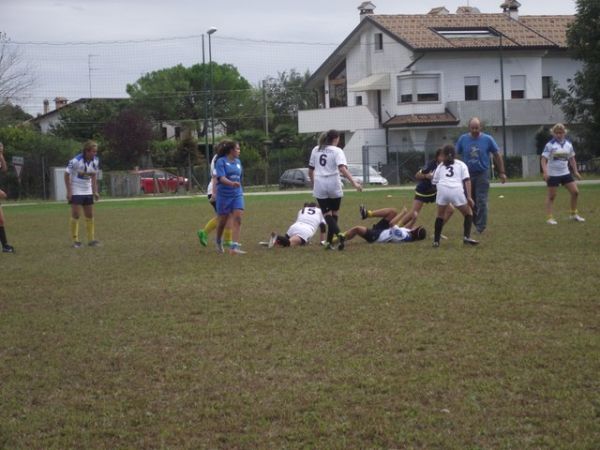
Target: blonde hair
(558,127)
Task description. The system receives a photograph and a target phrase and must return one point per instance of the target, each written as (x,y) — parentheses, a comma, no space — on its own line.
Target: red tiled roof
(421,120)
(418,31)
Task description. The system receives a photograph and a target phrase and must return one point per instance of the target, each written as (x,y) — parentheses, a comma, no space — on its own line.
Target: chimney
(511,8)
(366,9)
(439,11)
(465,10)
(59,102)
(46,106)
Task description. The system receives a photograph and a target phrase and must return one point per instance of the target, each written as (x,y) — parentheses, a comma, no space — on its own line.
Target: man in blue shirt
(475,148)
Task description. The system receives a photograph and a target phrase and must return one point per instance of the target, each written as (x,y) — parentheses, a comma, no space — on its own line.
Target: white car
(374,177)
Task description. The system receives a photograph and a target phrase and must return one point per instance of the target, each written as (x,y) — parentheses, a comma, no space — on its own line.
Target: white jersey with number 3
(451,176)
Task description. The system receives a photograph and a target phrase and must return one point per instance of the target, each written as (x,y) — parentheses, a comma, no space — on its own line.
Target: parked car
(154,180)
(356,170)
(294,178)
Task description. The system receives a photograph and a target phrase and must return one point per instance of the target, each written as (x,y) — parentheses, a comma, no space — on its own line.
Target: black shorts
(374,232)
(425,198)
(83,200)
(213,204)
(557,181)
(329,204)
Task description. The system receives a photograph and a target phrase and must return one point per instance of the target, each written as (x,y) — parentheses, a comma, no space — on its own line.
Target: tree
(180,94)
(128,137)
(12,115)
(15,75)
(286,95)
(581,101)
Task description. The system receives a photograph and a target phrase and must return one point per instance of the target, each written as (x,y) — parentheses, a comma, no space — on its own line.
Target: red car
(154,180)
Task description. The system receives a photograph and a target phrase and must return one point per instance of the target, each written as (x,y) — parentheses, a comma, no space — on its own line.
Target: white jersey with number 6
(325,162)
(449,180)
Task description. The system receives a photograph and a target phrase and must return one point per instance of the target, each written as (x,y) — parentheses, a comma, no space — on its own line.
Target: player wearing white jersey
(309,219)
(6,248)
(211,193)
(82,189)
(556,158)
(453,189)
(386,230)
(326,163)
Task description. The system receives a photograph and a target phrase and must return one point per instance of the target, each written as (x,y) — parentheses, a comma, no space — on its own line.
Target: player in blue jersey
(6,248)
(230,195)
(82,189)
(556,158)
(477,149)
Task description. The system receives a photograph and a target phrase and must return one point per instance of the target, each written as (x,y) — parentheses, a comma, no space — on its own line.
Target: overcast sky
(238,21)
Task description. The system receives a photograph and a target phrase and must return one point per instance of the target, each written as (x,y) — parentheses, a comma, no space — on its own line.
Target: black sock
(332,227)
(3,236)
(467,226)
(439,224)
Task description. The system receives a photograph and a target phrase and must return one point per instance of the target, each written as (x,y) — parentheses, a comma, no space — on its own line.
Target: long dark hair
(328,139)
(449,153)
(225,147)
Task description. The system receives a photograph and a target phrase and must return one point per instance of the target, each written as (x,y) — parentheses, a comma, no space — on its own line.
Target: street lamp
(499,34)
(206,154)
(210,31)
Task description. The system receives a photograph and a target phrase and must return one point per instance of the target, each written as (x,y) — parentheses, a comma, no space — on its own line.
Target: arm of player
(544,164)
(3,166)
(467,185)
(94,179)
(499,162)
(346,173)
(573,165)
(68,185)
(311,177)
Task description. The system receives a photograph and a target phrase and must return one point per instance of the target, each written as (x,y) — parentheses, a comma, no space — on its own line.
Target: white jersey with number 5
(308,220)
(325,162)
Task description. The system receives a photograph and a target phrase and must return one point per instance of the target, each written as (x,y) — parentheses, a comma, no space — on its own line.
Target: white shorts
(328,187)
(301,229)
(447,196)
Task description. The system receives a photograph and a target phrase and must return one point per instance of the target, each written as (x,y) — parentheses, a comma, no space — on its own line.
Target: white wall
(560,67)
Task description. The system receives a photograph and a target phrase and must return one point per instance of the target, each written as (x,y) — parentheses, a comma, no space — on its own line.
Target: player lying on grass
(387,229)
(299,233)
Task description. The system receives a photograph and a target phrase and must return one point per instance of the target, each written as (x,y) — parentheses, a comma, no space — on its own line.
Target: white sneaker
(236,250)
(272,240)
(551,221)
(577,218)
(219,247)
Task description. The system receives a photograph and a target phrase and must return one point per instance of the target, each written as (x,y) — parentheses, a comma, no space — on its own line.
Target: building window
(422,88)
(358,100)
(471,88)
(177,132)
(547,87)
(517,86)
(378,41)
(337,86)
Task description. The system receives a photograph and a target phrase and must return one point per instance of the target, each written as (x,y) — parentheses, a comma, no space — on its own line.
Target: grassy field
(154,342)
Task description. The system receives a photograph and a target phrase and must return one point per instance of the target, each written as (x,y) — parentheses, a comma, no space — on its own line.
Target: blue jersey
(475,152)
(232,170)
(425,187)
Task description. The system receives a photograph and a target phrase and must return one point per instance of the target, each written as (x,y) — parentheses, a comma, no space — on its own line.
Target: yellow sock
(89,228)
(227,235)
(574,211)
(74,227)
(211,225)
(369,213)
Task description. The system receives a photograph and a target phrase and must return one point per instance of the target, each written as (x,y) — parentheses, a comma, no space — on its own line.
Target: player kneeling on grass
(386,230)
(453,188)
(310,217)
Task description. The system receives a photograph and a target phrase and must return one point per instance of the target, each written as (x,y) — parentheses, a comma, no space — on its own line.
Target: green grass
(153,342)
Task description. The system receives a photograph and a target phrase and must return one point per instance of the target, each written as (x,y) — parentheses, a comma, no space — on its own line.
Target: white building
(408,82)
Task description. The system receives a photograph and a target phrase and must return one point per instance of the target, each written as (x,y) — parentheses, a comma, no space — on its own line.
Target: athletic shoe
(341,241)
(203,237)
(76,244)
(94,243)
(8,249)
(272,240)
(236,250)
(445,238)
(577,218)
(469,241)
(436,244)
(328,246)
(219,247)
(263,243)
(551,221)
(364,212)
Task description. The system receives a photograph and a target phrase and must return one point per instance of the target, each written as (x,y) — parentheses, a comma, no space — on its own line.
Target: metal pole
(206,154)
(502,97)
(212,99)
(264,83)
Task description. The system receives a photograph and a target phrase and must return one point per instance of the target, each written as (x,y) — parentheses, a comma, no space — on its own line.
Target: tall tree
(181,94)
(581,101)
(286,95)
(12,114)
(128,137)
(15,75)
